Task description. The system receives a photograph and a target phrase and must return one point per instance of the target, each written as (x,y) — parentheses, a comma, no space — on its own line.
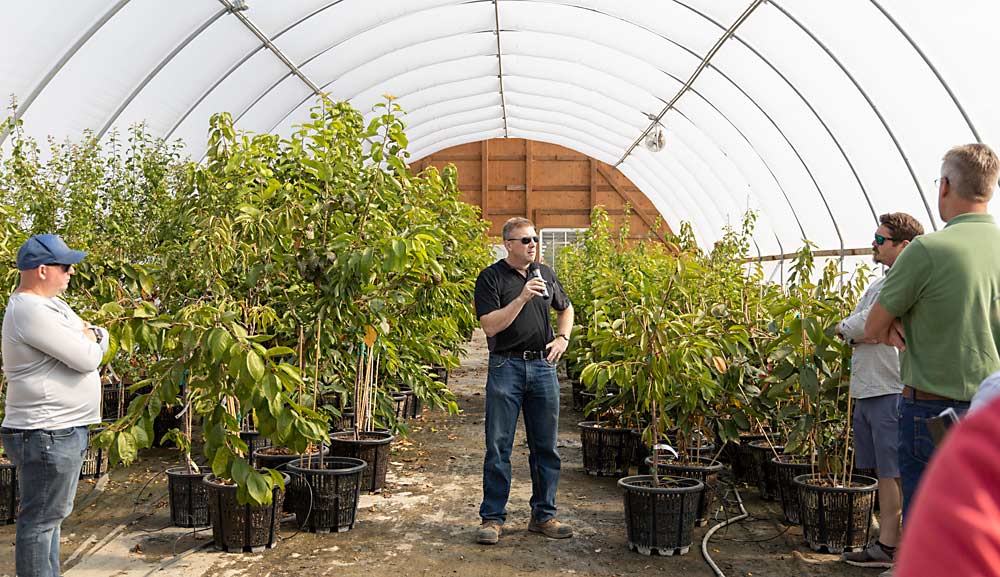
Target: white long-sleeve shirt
(874,368)
(50,365)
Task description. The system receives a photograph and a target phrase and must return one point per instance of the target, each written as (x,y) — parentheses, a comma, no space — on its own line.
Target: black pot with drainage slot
(326,492)
(835,517)
(9,497)
(607,451)
(95,460)
(242,528)
(703,469)
(188,497)
(372,447)
(659,518)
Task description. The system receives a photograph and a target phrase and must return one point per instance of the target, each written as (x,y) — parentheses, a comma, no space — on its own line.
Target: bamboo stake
(319,324)
(847,436)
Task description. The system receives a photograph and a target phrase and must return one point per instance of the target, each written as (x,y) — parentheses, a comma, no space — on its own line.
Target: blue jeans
(915,442)
(512,386)
(48,468)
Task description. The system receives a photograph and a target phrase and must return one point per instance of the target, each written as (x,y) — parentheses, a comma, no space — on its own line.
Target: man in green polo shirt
(940,305)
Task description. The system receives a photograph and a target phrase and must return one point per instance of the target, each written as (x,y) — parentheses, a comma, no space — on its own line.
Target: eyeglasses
(880,240)
(64,267)
(525,239)
(938,181)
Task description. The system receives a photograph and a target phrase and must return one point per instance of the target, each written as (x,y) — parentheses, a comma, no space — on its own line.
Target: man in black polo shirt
(513,309)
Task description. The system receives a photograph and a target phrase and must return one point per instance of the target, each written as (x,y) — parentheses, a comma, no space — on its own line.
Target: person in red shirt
(954,523)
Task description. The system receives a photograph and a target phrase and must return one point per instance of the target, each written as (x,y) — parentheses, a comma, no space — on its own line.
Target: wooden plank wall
(553,186)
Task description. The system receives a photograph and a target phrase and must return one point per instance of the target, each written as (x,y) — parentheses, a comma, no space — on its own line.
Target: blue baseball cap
(46,249)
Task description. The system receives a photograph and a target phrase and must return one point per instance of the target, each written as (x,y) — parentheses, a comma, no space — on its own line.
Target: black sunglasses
(64,267)
(880,240)
(526,239)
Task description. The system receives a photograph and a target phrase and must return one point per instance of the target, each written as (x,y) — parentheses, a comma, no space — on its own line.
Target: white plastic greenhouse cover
(821,115)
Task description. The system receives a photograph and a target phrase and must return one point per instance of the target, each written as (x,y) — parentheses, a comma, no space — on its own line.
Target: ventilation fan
(656,139)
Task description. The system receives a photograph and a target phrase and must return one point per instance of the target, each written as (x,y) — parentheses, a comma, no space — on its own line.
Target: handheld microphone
(537,273)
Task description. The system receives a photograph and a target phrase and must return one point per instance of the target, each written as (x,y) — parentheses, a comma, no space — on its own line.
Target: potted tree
(834,505)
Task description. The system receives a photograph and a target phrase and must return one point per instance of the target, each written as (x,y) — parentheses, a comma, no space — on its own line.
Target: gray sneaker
(488,533)
(552,529)
(873,556)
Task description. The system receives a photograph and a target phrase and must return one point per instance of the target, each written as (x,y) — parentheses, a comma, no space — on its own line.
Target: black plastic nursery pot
(326,493)
(738,455)
(761,453)
(166,420)
(703,469)
(242,528)
(440,374)
(255,441)
(188,497)
(836,518)
(412,408)
(114,401)
(607,451)
(577,389)
(786,468)
(660,519)
(399,402)
(9,493)
(278,458)
(372,447)
(95,460)
(343,423)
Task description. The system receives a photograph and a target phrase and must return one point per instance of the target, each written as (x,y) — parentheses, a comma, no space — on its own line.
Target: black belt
(525,355)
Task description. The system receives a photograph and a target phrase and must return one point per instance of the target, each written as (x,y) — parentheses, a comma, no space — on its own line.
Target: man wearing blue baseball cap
(50,359)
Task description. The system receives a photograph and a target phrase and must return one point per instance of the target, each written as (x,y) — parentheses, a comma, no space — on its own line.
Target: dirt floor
(424,523)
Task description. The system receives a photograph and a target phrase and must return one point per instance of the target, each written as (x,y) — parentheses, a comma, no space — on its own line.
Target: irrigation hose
(704,542)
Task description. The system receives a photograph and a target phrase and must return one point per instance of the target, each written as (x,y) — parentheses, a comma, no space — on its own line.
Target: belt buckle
(526,355)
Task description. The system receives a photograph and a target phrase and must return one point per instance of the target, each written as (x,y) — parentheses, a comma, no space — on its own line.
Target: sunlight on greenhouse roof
(819,115)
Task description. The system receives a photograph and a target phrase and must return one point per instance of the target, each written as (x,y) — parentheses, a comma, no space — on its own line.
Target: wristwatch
(97,334)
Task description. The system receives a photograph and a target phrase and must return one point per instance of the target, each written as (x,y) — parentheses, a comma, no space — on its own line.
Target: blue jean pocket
(61,433)
(923,444)
(497,361)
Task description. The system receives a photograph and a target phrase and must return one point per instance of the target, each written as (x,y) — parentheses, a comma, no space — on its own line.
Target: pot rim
(694,485)
(353,466)
(803,480)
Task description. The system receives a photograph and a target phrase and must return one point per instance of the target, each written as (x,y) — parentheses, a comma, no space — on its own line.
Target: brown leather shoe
(552,529)
(488,533)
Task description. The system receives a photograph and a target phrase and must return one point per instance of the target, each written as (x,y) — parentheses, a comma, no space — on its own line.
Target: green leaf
(128,449)
(254,366)
(279,352)
(220,463)
(258,488)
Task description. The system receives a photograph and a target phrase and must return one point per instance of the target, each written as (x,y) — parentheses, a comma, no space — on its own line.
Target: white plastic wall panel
(575,74)
(268,112)
(766,195)
(914,104)
(35,38)
(441,96)
(234,94)
(422,115)
(412,79)
(794,135)
(733,179)
(462,118)
(432,142)
(827,88)
(320,25)
(427,148)
(340,45)
(180,83)
(111,65)
(356,75)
